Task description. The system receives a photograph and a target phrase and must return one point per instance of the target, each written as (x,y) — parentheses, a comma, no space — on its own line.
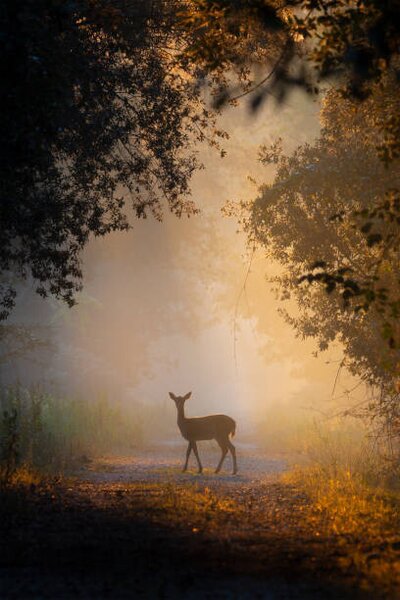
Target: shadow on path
(100,537)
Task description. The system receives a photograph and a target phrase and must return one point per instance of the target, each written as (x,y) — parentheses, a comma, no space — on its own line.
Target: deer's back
(208,428)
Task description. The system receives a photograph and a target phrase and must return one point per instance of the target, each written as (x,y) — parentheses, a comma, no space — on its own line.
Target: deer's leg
(188,451)
(196,452)
(224,450)
(233,452)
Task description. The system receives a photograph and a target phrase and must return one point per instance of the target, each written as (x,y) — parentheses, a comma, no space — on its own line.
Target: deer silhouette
(211,427)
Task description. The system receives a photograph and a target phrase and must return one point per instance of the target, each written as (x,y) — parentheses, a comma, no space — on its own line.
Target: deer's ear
(172,396)
(187,396)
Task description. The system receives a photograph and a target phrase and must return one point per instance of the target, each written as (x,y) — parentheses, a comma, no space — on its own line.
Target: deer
(211,427)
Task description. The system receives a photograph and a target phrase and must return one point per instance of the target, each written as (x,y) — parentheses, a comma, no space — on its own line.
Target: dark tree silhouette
(96,107)
(101,102)
(313,39)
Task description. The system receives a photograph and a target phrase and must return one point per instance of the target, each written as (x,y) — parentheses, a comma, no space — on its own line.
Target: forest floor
(136,527)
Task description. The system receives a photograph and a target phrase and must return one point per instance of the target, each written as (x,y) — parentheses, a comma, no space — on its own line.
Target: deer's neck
(181,418)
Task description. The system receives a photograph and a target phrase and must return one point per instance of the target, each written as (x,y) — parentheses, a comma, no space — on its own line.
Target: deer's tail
(233,428)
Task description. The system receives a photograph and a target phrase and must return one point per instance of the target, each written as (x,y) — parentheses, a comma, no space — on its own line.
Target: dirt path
(136,527)
(163,463)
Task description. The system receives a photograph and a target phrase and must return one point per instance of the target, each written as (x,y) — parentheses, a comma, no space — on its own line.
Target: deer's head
(179,400)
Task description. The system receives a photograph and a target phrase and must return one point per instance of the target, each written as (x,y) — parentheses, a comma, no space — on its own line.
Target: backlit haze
(174,306)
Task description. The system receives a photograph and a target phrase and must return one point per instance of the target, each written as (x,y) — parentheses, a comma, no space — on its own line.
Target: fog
(183,305)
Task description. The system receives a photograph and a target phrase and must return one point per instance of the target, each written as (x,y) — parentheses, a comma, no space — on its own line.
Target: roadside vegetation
(363,519)
(338,502)
(43,433)
(352,482)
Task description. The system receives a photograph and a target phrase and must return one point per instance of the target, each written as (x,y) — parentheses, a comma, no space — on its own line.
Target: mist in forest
(184,305)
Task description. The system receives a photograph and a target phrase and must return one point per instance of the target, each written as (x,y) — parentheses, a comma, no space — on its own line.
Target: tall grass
(348,446)
(333,444)
(353,484)
(41,431)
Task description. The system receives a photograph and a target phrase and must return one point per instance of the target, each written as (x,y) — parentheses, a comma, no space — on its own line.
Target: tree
(332,216)
(313,38)
(97,107)
(300,43)
(357,45)
(102,100)
(318,214)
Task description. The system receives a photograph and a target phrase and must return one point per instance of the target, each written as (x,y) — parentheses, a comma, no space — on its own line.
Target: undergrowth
(354,498)
(41,432)
(346,505)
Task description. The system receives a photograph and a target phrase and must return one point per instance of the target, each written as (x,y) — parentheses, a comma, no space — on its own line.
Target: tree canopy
(331,219)
(314,38)
(97,108)
(103,101)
